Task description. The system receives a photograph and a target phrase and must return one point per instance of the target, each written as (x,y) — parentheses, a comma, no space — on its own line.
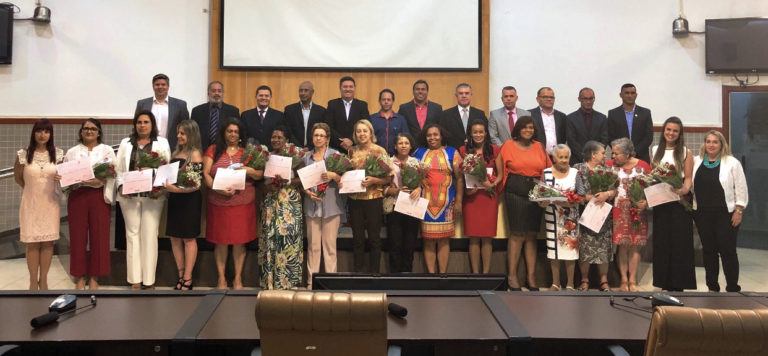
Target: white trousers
(321,235)
(142,219)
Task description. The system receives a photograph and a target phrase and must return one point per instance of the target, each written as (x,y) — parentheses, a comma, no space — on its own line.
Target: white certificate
(661,193)
(416,208)
(473,182)
(229,178)
(594,215)
(278,165)
(312,175)
(76,171)
(137,181)
(168,172)
(352,182)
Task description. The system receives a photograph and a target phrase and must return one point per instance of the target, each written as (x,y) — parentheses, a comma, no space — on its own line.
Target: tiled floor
(753,275)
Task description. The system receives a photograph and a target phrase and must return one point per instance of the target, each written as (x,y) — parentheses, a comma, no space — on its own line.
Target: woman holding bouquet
(322,209)
(673,257)
(88,208)
(365,208)
(401,229)
(596,247)
(34,170)
(281,250)
(630,223)
(481,205)
(720,199)
(185,202)
(443,187)
(231,214)
(523,160)
(141,211)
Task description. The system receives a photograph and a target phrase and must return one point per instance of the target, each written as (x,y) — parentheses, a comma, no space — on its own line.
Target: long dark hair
(40,125)
(98,126)
(152,134)
(487,148)
(679,152)
(221,140)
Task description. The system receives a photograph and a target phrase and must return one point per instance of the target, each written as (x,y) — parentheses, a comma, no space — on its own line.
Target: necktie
(261,115)
(214,124)
(464,115)
(511,121)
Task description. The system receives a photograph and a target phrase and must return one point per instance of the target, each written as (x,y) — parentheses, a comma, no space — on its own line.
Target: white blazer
(731,178)
(124,156)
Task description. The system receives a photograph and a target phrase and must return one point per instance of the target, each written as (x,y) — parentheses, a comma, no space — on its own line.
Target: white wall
(98,57)
(602,44)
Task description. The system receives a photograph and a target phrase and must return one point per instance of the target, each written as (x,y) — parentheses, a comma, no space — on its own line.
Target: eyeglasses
(92,129)
(547,97)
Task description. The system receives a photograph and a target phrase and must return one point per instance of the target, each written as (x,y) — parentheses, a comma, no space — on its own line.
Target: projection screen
(417,35)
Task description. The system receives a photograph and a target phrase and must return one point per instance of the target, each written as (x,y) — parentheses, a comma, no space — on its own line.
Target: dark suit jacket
(294,119)
(177,112)
(253,127)
(539,123)
(642,129)
(201,114)
(336,118)
(450,120)
(577,135)
(409,111)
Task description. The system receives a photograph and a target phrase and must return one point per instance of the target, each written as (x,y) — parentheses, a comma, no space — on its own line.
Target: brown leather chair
(321,323)
(681,331)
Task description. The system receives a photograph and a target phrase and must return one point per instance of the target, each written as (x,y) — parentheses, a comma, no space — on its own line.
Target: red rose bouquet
(255,156)
(636,192)
(104,170)
(321,189)
(412,173)
(474,165)
(668,173)
(150,160)
(377,166)
(296,154)
(601,179)
(338,163)
(542,191)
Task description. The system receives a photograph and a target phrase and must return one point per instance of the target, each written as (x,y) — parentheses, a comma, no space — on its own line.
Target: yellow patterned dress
(439,188)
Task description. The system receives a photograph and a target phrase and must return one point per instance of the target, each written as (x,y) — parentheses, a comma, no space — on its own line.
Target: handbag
(519,185)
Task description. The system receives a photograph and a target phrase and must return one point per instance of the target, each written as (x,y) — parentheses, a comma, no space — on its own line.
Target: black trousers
(401,235)
(673,256)
(367,216)
(718,237)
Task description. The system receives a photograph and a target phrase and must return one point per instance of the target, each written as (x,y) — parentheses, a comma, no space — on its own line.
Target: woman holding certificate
(322,209)
(185,202)
(365,207)
(141,151)
(523,159)
(673,258)
(719,201)
(401,228)
(281,247)
(231,214)
(443,187)
(35,171)
(630,222)
(88,208)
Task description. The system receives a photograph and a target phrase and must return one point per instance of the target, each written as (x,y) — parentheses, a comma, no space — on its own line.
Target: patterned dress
(439,189)
(281,251)
(594,247)
(561,222)
(623,231)
(39,210)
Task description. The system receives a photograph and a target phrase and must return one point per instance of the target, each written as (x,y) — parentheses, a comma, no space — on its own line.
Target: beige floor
(753,274)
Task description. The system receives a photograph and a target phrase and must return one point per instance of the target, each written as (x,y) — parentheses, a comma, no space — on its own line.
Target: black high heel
(187,285)
(179,284)
(531,289)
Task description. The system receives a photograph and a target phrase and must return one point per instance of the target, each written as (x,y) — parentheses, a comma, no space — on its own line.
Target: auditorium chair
(322,323)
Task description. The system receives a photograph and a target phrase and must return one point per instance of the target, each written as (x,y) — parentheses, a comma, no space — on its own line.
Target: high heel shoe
(179,284)
(531,289)
(187,285)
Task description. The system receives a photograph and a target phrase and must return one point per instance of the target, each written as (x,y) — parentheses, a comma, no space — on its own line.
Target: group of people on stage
(521,151)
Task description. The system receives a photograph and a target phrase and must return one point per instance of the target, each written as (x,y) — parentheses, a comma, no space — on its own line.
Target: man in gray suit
(168,111)
(585,124)
(503,119)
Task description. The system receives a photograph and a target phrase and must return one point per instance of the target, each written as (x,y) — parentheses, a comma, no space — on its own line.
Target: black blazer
(577,135)
(642,129)
(540,136)
(201,114)
(254,129)
(177,112)
(294,119)
(408,110)
(450,120)
(336,118)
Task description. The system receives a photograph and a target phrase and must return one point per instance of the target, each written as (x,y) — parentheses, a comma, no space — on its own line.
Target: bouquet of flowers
(667,173)
(412,173)
(156,193)
(150,160)
(255,156)
(377,166)
(296,154)
(190,177)
(338,163)
(321,189)
(541,192)
(601,179)
(573,197)
(104,170)
(474,166)
(636,192)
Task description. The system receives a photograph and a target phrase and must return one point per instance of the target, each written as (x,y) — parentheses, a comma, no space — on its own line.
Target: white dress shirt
(160,110)
(347,106)
(305,113)
(549,130)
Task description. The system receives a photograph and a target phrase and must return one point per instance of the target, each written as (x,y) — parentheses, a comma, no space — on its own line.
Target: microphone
(44,319)
(397,310)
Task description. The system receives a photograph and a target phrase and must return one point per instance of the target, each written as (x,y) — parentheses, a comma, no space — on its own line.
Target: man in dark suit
(420,111)
(585,124)
(260,120)
(456,119)
(342,114)
(301,116)
(633,121)
(168,111)
(550,123)
(211,115)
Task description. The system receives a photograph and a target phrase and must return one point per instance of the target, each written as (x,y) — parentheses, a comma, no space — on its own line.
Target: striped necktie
(214,124)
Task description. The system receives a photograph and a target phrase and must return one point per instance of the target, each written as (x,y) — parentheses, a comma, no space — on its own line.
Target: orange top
(529,163)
